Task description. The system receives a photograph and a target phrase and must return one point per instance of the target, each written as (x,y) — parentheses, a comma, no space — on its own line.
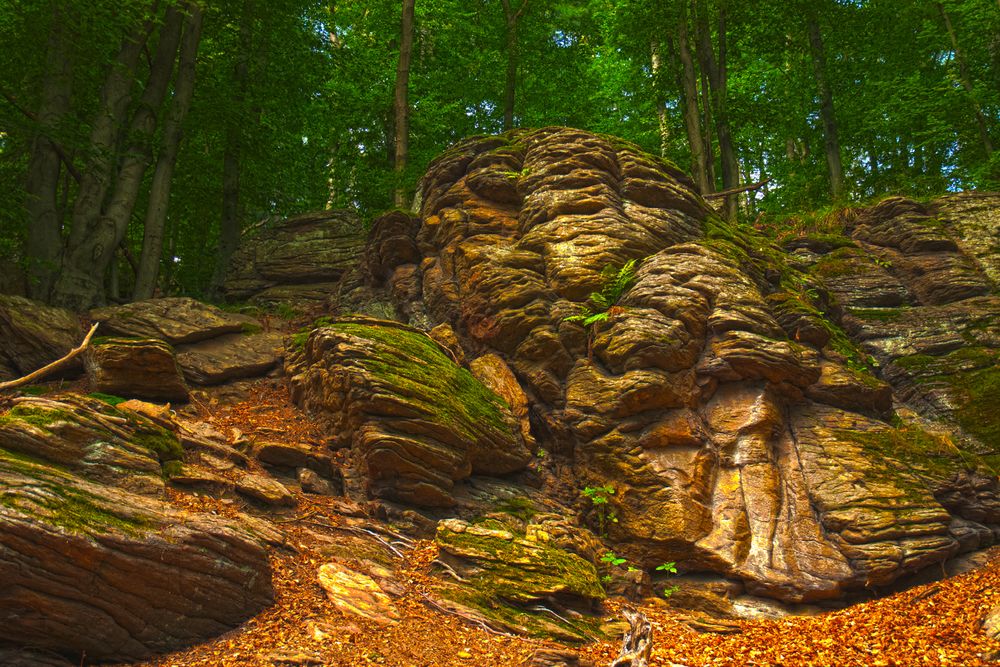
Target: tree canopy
(140,138)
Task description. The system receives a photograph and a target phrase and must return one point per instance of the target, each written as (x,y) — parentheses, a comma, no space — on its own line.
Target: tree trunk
(402,105)
(966,80)
(84,263)
(656,64)
(159,193)
(44,238)
(511,17)
(826,111)
(717,79)
(689,102)
(229,223)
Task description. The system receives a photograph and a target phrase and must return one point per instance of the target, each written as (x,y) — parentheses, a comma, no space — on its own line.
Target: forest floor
(933,624)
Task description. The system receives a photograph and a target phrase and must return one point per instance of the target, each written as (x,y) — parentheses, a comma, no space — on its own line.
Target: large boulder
(230,357)
(505,575)
(176,320)
(135,368)
(33,335)
(416,421)
(721,395)
(92,560)
(296,261)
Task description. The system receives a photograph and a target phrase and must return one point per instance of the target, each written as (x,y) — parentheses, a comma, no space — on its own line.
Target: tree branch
(735,191)
(33,118)
(58,363)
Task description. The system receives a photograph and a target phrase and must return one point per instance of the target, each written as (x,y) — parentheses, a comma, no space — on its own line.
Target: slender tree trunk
(44,238)
(831,140)
(511,18)
(116,94)
(689,102)
(718,82)
(159,193)
(656,64)
(966,80)
(707,127)
(402,105)
(229,223)
(80,284)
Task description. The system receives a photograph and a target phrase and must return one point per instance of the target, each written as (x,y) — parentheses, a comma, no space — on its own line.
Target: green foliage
(600,498)
(612,558)
(614,284)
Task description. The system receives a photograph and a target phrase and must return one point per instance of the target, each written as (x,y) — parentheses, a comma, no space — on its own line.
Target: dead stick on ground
(55,365)
(638,642)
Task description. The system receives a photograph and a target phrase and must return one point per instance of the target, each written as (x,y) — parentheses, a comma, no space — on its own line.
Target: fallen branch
(465,617)
(736,191)
(55,365)
(638,642)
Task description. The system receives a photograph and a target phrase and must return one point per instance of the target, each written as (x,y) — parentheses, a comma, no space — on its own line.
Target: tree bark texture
(402,104)
(831,140)
(93,239)
(45,212)
(966,80)
(229,222)
(511,18)
(159,193)
(689,102)
(716,69)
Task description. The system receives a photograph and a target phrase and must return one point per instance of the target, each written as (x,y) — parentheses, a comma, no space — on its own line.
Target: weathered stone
(265,490)
(313,483)
(230,357)
(494,373)
(726,389)
(167,578)
(293,260)
(391,244)
(136,367)
(175,320)
(90,438)
(503,572)
(355,593)
(416,421)
(33,335)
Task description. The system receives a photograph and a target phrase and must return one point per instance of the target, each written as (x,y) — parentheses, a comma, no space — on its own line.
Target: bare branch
(55,365)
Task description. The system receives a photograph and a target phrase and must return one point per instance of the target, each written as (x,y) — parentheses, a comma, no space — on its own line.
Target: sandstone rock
(265,490)
(313,483)
(139,367)
(730,389)
(494,373)
(505,572)
(297,260)
(445,336)
(27,658)
(230,357)
(167,579)
(416,421)
(90,438)
(355,593)
(33,335)
(549,657)
(176,320)
(391,244)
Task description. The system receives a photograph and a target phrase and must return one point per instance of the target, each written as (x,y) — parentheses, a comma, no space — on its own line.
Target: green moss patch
(54,499)
(414,365)
(110,399)
(37,416)
(510,574)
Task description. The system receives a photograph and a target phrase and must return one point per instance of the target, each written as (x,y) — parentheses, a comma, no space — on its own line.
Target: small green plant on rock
(601,305)
(599,497)
(668,568)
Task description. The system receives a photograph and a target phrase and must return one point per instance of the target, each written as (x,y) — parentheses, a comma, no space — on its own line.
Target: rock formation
(297,261)
(738,397)
(91,558)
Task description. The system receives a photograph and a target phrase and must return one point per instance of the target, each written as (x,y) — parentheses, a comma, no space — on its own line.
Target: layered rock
(91,559)
(33,335)
(504,573)
(718,394)
(415,421)
(296,261)
(212,346)
(135,368)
